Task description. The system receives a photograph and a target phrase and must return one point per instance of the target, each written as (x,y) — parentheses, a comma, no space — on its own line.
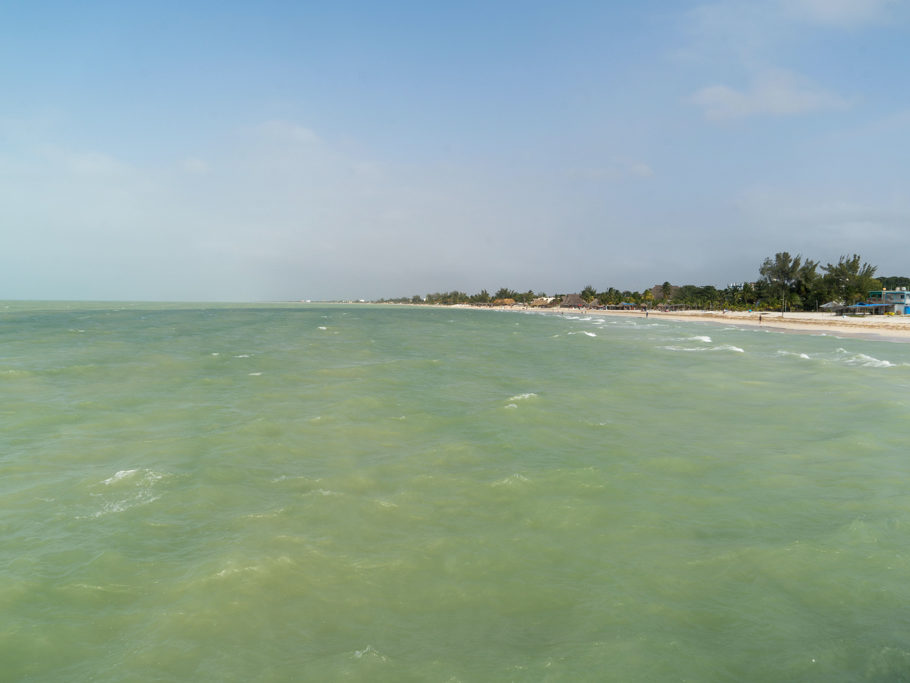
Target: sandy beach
(880,327)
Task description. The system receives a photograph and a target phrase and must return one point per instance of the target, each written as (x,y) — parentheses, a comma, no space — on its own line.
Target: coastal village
(787,285)
(879,302)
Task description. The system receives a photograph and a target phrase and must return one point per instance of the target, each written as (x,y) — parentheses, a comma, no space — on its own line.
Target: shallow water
(307,492)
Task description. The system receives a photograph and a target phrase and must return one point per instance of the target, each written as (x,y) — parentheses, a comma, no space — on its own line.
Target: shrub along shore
(785,283)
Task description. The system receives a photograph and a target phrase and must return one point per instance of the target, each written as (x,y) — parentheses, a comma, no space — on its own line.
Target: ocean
(387,493)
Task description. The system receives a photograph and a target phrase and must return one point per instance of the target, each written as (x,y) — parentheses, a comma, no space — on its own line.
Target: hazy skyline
(287,150)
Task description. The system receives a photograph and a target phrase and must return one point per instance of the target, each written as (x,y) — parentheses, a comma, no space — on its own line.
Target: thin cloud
(757,32)
(194,166)
(284,130)
(777,93)
(641,170)
(840,13)
(617,171)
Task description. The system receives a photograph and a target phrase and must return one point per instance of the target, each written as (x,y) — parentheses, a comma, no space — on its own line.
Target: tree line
(786,283)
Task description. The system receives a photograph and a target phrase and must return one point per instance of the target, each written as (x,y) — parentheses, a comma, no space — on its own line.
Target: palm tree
(782,272)
(588,293)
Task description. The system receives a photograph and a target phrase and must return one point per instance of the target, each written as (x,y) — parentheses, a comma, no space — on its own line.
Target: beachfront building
(542,302)
(896,301)
(572,301)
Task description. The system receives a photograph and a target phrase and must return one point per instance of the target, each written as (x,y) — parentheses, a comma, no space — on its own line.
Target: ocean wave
(842,355)
(132,488)
(722,347)
(117,476)
(804,356)
(512,480)
(322,492)
(863,359)
(522,397)
(15,373)
(370,651)
(699,337)
(590,334)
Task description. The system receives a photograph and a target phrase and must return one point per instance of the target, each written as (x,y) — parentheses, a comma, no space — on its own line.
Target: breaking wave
(722,347)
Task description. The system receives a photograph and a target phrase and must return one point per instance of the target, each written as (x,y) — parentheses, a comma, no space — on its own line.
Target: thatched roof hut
(572,301)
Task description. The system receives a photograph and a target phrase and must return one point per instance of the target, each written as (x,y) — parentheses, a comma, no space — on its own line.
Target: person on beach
(759,318)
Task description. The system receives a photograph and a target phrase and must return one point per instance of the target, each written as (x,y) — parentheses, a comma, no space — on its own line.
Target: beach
(881,327)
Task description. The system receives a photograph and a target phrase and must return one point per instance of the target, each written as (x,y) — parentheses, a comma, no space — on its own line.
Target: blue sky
(288,150)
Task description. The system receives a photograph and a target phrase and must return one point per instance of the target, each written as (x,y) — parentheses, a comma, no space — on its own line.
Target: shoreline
(872,328)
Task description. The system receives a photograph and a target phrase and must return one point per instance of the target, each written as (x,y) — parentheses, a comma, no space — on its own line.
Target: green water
(327,493)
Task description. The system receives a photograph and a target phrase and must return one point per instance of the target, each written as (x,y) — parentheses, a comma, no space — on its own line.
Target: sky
(236,151)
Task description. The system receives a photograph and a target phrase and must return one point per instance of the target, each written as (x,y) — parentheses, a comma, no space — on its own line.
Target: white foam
(122,474)
(804,356)
(242,355)
(255,374)
(700,337)
(511,405)
(386,504)
(323,328)
(864,360)
(512,480)
(123,505)
(140,491)
(729,347)
(590,334)
(371,651)
(215,353)
(522,397)
(722,347)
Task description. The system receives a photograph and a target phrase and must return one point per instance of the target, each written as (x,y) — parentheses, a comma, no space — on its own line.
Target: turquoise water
(370,493)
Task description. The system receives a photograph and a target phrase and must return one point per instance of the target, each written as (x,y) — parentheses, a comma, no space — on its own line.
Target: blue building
(892,300)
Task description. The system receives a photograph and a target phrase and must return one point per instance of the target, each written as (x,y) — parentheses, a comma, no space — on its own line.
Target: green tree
(588,293)
(612,296)
(647,298)
(781,273)
(748,294)
(851,278)
(895,281)
(806,285)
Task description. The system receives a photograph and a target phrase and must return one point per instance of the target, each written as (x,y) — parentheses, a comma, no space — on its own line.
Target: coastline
(874,328)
